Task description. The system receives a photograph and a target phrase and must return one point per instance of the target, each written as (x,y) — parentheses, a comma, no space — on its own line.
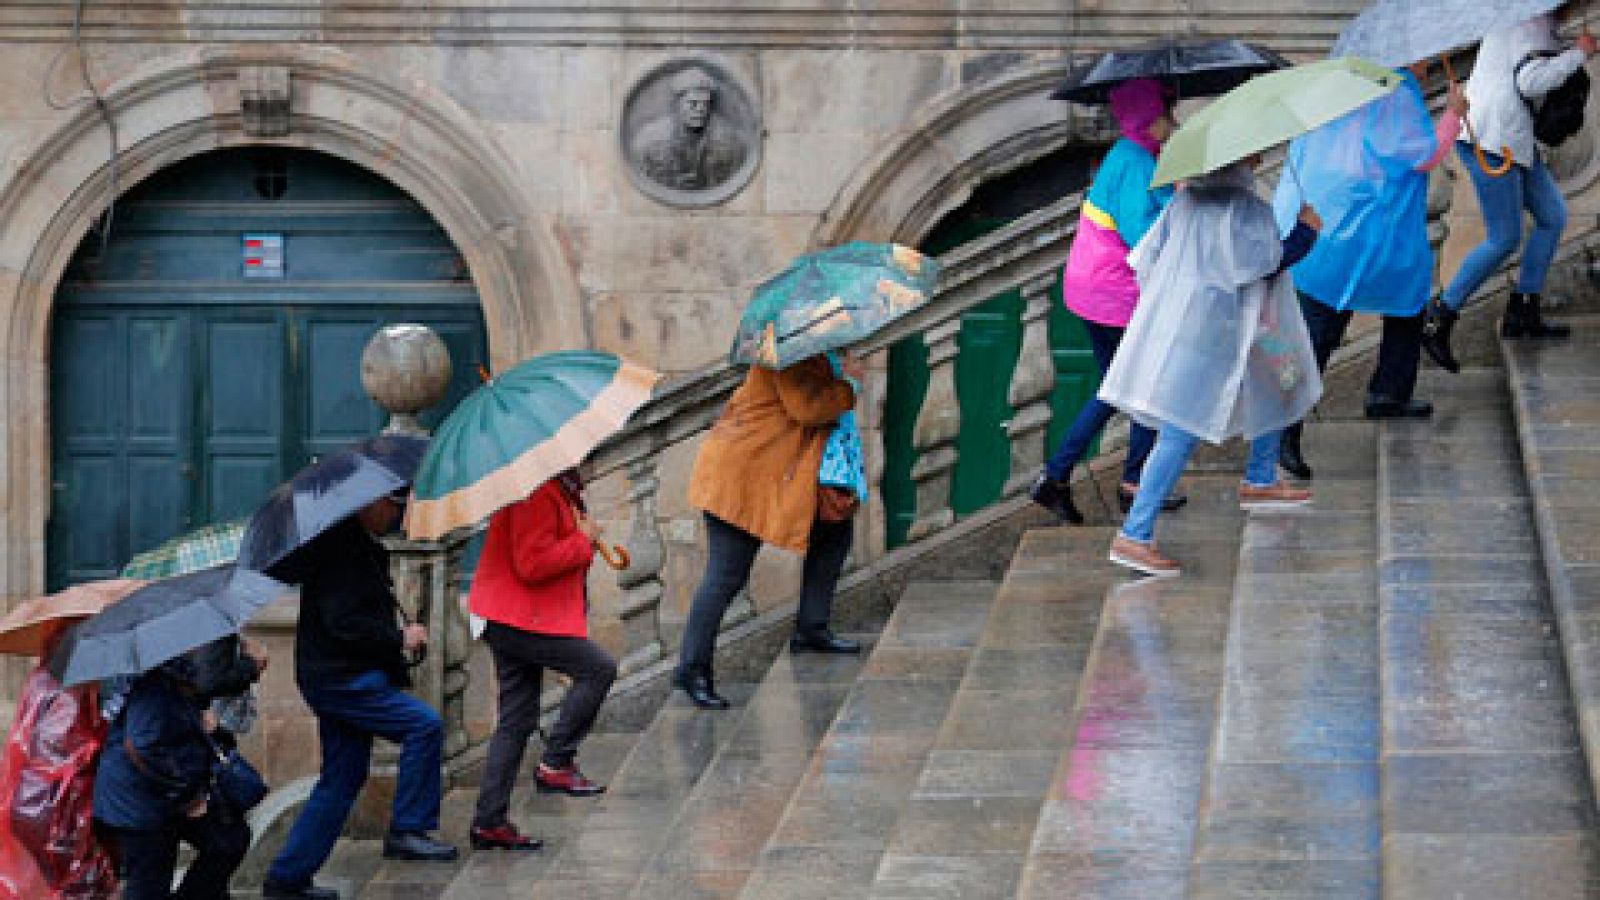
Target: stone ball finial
(405,369)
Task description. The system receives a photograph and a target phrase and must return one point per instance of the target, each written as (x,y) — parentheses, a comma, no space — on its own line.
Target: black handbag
(234,781)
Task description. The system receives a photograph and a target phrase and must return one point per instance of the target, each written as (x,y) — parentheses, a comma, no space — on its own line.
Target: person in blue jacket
(1367,175)
(151,785)
(1100,289)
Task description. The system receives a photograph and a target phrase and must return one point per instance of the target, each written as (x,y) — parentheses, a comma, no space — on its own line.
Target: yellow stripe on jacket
(1099,216)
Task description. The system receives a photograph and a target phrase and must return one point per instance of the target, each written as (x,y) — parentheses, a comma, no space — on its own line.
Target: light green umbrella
(1268,110)
(199,549)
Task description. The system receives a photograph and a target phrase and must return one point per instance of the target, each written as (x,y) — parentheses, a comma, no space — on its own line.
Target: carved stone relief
(691,135)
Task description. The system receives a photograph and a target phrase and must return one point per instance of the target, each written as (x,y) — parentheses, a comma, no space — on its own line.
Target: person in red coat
(530,586)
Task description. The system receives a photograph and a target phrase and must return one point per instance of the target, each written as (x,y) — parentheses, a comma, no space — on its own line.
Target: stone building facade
(566,150)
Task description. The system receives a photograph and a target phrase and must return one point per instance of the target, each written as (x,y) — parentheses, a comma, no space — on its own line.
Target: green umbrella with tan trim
(519,430)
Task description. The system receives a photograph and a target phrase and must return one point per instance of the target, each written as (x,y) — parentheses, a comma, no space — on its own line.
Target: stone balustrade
(1027,253)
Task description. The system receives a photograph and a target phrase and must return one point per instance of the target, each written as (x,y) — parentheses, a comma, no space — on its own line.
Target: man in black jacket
(350,663)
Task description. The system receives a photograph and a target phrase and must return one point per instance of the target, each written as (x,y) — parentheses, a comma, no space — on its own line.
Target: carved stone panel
(691,134)
(264,100)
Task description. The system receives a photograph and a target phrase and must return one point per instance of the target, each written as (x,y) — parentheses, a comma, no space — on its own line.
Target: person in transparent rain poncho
(1216,347)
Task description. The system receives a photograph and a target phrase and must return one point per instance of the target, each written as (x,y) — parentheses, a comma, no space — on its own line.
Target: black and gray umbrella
(1190,68)
(160,621)
(1401,32)
(327,492)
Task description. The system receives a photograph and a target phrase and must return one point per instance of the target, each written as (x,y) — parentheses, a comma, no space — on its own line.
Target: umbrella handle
(615,555)
(1506,160)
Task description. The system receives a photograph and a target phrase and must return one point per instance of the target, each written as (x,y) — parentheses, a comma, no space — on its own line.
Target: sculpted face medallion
(691,136)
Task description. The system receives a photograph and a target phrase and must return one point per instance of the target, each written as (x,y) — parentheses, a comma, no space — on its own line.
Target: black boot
(1382,406)
(1055,496)
(1437,323)
(1523,319)
(698,686)
(822,641)
(1289,458)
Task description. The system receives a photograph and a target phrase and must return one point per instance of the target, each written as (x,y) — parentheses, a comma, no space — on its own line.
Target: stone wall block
(505,83)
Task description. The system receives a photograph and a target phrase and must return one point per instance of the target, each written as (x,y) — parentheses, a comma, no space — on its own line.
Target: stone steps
(1555,398)
(1485,790)
(968,824)
(1118,816)
(1291,798)
(663,825)
(836,827)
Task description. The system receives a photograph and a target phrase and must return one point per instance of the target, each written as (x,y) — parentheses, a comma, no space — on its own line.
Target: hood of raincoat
(1136,105)
(1217,346)
(1359,173)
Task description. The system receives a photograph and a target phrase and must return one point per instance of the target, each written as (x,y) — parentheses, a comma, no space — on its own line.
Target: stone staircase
(1392,693)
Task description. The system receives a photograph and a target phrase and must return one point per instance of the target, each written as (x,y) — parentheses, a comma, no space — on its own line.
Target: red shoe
(565,780)
(503,837)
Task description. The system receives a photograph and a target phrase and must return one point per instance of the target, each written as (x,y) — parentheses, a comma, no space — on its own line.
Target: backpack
(1561,114)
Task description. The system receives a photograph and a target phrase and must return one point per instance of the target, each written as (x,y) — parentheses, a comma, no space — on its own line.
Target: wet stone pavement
(1366,698)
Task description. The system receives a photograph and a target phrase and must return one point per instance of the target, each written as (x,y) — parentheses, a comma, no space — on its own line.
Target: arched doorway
(210,345)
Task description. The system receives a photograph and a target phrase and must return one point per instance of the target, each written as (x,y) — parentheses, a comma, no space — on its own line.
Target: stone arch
(969,136)
(178,107)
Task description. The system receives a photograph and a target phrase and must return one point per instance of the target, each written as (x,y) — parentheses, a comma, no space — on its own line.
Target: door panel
(242,438)
(338,410)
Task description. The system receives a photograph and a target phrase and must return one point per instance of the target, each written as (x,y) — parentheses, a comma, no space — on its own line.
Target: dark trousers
(1094,414)
(349,714)
(146,858)
(730,552)
(520,658)
(1399,351)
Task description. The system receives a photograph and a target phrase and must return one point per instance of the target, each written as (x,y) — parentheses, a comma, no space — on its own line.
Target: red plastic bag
(48,849)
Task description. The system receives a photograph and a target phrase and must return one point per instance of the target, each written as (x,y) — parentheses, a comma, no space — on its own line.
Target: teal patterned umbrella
(199,549)
(831,299)
(519,430)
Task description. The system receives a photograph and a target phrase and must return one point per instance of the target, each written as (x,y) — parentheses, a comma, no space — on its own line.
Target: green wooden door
(990,341)
(184,389)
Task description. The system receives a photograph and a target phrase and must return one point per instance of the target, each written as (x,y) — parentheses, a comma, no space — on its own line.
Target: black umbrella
(327,492)
(160,621)
(1191,68)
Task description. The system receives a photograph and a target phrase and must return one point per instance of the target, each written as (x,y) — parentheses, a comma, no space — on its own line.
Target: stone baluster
(642,587)
(1032,382)
(938,425)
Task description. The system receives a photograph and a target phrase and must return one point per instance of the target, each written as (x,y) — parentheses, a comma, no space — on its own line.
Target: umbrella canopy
(199,549)
(1268,110)
(831,299)
(1400,32)
(1191,68)
(159,621)
(519,430)
(327,492)
(28,629)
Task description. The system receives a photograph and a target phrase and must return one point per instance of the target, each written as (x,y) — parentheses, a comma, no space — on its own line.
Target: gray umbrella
(1400,32)
(160,621)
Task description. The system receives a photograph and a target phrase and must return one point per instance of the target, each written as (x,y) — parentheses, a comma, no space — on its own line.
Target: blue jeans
(1502,201)
(349,714)
(1166,463)
(1093,416)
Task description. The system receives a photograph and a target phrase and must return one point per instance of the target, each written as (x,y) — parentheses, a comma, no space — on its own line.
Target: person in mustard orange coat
(755,479)
(530,587)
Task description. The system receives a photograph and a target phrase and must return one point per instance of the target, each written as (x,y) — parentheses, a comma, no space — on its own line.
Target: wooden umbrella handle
(615,555)
(1506,160)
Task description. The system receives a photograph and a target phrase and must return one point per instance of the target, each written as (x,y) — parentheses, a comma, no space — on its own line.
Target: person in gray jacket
(1516,67)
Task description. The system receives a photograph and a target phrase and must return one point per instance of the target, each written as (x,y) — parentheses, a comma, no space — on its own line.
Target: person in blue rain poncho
(1367,175)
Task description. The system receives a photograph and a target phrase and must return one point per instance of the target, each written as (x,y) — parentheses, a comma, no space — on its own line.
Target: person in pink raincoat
(1099,287)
